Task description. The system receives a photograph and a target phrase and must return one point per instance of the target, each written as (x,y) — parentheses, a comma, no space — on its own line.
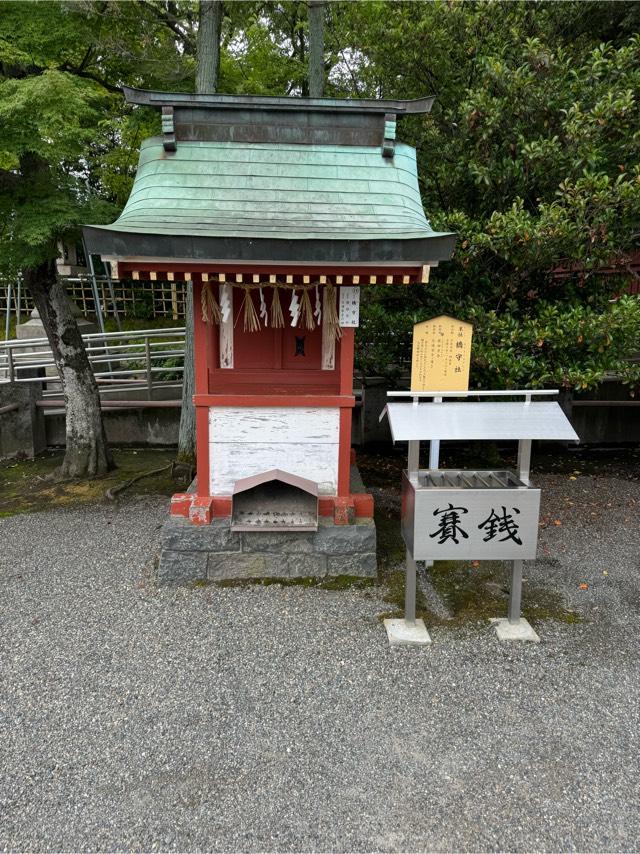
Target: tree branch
(89,75)
(173,23)
(86,58)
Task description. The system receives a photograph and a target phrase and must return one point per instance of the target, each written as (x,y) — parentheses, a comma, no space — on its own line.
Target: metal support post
(434,453)
(434,462)
(147,353)
(413,460)
(524,459)
(515,627)
(410,591)
(8,318)
(18,301)
(515,596)
(11,367)
(409,631)
(94,291)
(434,446)
(111,294)
(96,300)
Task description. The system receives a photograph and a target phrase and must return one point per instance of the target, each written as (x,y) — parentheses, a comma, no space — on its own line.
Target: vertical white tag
(349,305)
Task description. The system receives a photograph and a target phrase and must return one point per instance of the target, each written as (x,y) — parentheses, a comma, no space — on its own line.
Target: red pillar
(200,512)
(201,332)
(347,345)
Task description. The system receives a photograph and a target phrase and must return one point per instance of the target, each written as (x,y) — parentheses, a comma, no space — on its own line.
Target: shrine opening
(278,211)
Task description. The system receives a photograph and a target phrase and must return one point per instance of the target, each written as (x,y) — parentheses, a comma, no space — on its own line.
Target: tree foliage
(531,151)
(531,154)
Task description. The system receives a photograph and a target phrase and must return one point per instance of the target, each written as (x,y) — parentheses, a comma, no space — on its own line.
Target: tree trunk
(87,453)
(209,26)
(316,48)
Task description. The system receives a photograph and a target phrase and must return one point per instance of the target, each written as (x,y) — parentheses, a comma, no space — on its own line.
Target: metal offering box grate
(275,507)
(452,479)
(275,501)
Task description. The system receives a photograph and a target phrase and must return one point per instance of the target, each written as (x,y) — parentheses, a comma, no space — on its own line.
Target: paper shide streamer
(301,309)
(294,309)
(264,317)
(225,305)
(317,313)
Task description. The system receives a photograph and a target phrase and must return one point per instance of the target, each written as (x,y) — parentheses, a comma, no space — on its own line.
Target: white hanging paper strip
(349,305)
(317,312)
(294,308)
(225,305)
(263,310)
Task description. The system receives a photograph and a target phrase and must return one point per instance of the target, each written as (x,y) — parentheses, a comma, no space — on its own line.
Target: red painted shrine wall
(271,368)
(272,361)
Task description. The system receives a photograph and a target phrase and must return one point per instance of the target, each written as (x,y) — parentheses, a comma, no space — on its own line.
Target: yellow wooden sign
(441,355)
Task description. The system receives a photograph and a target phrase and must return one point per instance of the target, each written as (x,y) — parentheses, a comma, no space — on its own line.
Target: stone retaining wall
(21,429)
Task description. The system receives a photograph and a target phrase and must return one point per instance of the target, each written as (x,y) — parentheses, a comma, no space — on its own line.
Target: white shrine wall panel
(248,441)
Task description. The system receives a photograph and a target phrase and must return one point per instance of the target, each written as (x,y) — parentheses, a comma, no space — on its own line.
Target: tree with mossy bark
(65,150)
(47,120)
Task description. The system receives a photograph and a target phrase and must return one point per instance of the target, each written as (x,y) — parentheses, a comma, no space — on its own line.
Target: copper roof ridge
(154,98)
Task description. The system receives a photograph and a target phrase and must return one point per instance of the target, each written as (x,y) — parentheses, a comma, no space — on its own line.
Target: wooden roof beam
(143,270)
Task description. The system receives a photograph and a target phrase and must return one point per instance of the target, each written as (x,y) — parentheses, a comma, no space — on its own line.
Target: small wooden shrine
(278,210)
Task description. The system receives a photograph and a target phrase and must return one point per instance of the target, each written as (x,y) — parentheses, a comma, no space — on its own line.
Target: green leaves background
(531,152)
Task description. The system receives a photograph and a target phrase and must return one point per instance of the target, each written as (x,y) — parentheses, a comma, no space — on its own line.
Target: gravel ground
(278,719)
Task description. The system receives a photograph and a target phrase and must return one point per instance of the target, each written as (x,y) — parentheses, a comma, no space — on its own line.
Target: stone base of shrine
(213,552)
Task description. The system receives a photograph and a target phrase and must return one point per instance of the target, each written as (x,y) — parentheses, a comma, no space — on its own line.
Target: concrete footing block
(520,631)
(401,633)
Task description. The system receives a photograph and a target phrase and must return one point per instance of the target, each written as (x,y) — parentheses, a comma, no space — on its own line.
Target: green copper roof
(289,180)
(212,189)
(273,201)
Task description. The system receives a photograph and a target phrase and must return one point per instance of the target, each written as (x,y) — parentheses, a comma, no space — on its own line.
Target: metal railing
(145,360)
